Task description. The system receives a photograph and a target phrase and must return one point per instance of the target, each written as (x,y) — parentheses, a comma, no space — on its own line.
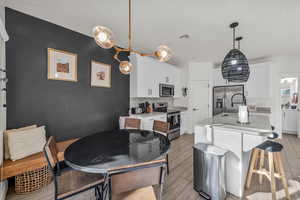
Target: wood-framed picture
(100,74)
(62,65)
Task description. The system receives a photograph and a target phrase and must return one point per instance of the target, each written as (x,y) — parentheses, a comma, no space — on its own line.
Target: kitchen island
(226,132)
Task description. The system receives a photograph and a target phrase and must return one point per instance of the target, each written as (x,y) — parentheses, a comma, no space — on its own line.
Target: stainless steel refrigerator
(226,99)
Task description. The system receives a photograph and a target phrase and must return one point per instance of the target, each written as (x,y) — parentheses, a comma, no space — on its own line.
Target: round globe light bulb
(103,37)
(125,67)
(163,53)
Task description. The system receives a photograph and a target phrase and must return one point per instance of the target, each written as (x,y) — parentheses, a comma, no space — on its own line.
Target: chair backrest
(160,126)
(50,151)
(147,174)
(132,123)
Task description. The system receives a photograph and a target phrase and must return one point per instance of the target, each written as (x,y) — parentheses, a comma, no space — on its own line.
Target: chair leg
(252,166)
(261,164)
(271,170)
(162,181)
(283,177)
(168,169)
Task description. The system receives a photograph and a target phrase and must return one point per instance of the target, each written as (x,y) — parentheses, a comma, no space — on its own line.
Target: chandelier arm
(117,54)
(129,23)
(148,54)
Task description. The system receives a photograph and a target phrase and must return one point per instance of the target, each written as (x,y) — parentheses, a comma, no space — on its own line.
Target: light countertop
(152,114)
(258,123)
(178,108)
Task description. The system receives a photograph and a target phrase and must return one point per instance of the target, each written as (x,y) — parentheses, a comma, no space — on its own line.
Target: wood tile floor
(179,183)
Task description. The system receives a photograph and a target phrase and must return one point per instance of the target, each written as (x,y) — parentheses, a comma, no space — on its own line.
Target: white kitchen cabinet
(258,84)
(289,121)
(218,78)
(142,81)
(147,73)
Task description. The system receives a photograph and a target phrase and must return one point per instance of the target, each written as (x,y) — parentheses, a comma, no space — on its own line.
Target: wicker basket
(32,180)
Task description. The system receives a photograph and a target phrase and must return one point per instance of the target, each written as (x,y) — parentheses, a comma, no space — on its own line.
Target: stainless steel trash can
(209,171)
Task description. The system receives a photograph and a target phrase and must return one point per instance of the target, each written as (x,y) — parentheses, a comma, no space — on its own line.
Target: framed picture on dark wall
(100,74)
(62,65)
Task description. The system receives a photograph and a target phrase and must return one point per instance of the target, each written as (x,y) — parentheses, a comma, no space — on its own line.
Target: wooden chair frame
(55,170)
(162,127)
(132,123)
(107,186)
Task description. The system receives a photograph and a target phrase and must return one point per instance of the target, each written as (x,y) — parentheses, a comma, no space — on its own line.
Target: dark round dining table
(107,151)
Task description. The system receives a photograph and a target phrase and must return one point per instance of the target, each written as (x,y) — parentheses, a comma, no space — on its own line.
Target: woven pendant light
(235,66)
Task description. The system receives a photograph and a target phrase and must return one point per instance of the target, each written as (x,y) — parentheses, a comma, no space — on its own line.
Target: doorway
(289,104)
(199,101)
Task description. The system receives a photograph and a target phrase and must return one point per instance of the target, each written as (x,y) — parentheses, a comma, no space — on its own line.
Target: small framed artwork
(62,65)
(100,74)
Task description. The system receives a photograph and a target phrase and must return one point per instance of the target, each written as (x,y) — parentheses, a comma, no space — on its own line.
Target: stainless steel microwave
(166,90)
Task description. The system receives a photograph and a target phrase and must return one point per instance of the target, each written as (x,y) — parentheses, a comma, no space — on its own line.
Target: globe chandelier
(104,38)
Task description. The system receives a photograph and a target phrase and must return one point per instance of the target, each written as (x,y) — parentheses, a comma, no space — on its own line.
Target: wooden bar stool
(262,153)
(276,169)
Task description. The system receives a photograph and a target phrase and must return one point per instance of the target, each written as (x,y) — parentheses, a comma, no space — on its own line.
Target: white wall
(198,71)
(280,67)
(184,74)
(3,185)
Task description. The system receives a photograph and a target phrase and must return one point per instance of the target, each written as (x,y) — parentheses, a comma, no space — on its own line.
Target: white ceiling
(269,27)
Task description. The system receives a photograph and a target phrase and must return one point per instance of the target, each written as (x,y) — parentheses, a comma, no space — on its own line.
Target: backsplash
(134,102)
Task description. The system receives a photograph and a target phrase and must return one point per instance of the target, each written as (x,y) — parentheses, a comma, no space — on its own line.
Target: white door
(199,101)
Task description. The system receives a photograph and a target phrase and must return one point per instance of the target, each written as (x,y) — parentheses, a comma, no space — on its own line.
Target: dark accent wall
(67,109)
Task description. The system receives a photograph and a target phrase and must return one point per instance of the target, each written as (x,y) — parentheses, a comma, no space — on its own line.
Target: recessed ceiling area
(269,27)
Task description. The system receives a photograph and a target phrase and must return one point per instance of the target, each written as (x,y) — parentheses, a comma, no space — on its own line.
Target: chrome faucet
(238,94)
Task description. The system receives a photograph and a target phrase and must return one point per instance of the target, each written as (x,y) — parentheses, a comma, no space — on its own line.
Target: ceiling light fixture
(235,67)
(184,36)
(104,38)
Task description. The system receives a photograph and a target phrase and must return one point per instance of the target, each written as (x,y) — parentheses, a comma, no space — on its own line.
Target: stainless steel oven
(166,90)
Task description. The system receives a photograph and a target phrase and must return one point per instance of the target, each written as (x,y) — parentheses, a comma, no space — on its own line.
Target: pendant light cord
(129,20)
(233,34)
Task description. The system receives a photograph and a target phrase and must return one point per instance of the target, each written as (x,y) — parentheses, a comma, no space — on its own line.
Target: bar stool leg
(276,163)
(272,177)
(261,164)
(282,175)
(252,166)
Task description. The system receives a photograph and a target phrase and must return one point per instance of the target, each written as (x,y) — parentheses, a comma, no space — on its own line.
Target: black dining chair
(136,182)
(162,128)
(68,182)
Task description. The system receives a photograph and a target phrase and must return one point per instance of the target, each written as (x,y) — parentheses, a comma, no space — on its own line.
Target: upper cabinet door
(148,73)
(218,78)
(258,85)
